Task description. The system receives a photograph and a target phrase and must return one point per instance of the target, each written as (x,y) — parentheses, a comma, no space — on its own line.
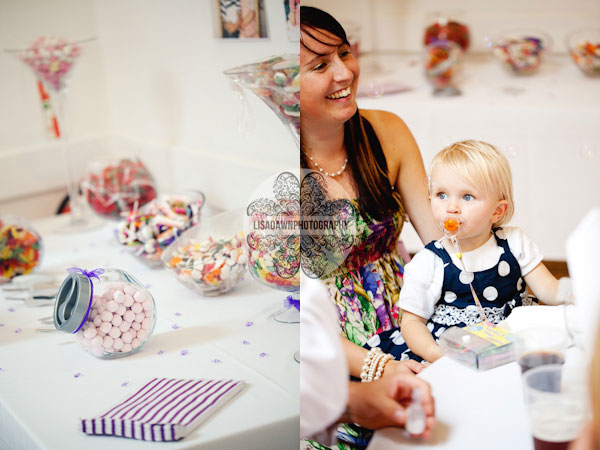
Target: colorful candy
(586,55)
(444,30)
(114,188)
(52,59)
(148,231)
(441,63)
(212,266)
(277,82)
(20,248)
(121,318)
(521,55)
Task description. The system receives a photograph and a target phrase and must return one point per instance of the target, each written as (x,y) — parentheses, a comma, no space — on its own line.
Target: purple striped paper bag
(165,409)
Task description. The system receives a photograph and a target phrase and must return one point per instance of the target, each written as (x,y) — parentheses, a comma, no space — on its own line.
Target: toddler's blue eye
(441,195)
(468,197)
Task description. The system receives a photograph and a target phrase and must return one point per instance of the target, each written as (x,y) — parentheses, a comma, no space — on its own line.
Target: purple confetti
(184,352)
(249,324)
(263,354)
(18,330)
(1,324)
(160,352)
(148,286)
(245,342)
(178,314)
(77,375)
(175,326)
(11,309)
(217,361)
(125,384)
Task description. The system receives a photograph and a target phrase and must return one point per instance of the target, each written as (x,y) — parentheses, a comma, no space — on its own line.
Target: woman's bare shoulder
(393,133)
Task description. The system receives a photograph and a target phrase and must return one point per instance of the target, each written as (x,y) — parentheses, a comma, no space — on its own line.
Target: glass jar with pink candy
(52,60)
(109,312)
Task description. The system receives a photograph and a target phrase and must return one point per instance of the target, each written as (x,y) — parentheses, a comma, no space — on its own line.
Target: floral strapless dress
(365,290)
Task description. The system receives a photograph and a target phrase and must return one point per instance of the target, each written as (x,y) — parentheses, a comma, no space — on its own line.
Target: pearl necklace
(332,174)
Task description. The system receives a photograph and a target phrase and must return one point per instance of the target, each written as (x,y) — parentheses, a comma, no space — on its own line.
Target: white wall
(150,84)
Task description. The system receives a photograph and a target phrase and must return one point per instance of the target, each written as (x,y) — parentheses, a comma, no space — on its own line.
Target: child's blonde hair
(482,165)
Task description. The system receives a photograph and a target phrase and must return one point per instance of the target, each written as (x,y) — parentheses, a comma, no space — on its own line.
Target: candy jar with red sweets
(109,312)
(442,27)
(21,247)
(149,230)
(114,186)
(210,257)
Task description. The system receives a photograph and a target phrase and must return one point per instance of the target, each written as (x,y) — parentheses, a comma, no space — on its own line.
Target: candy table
(47,382)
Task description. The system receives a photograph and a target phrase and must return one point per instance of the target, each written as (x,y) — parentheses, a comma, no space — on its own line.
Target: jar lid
(72,302)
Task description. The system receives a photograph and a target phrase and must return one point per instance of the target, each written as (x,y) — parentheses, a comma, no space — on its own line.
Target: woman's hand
(383,403)
(393,368)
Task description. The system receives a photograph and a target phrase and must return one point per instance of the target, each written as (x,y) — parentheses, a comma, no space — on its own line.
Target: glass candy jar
(115,185)
(148,231)
(110,313)
(210,257)
(21,248)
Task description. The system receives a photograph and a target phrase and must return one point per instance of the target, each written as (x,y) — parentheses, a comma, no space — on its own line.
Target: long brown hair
(366,159)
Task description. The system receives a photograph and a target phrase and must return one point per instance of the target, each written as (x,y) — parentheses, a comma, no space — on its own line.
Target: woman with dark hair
(374,158)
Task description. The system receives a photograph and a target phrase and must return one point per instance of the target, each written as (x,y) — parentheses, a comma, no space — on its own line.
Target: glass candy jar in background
(521,52)
(110,313)
(273,240)
(21,248)
(209,258)
(149,230)
(584,47)
(113,186)
(276,81)
(442,67)
(442,27)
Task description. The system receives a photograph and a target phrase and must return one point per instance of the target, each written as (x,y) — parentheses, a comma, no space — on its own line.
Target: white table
(480,409)
(47,382)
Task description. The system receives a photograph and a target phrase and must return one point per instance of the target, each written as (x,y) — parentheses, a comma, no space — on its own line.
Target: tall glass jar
(110,313)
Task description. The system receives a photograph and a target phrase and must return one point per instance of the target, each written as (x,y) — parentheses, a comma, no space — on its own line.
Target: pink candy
(120,320)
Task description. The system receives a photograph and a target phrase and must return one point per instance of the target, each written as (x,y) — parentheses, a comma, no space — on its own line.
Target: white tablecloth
(48,382)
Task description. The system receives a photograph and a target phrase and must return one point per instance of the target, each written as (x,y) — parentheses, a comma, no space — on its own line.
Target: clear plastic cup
(539,346)
(556,399)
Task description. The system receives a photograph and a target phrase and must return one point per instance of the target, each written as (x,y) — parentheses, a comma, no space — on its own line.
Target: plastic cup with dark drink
(540,346)
(556,399)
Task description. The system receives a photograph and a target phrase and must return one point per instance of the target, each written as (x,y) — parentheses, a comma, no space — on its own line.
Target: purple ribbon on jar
(91,274)
(289,302)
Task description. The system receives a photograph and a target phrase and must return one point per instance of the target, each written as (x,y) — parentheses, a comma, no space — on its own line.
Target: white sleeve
(525,250)
(324,370)
(422,288)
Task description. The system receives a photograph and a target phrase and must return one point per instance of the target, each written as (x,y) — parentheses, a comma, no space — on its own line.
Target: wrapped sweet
(149,230)
(210,257)
(109,312)
(21,247)
(115,186)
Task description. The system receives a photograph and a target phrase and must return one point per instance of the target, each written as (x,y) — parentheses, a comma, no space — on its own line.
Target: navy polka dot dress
(500,289)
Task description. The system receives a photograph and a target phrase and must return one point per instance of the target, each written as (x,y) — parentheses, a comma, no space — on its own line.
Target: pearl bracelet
(381,365)
(368,361)
(374,365)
